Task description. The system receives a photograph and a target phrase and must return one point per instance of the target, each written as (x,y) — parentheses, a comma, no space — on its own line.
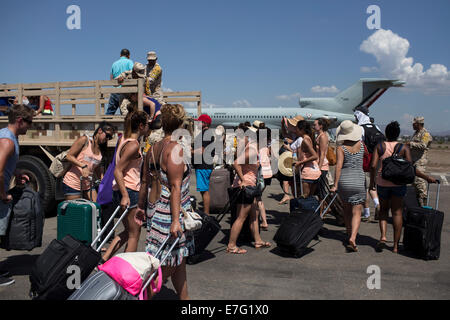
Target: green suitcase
(80,218)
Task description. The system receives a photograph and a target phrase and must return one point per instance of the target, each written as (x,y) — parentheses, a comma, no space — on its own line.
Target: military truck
(79,106)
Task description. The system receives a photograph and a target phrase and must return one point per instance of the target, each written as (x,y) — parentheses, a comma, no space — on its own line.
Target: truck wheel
(41,181)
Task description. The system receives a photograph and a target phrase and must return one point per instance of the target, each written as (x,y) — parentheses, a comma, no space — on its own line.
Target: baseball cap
(205,118)
(151,55)
(419,120)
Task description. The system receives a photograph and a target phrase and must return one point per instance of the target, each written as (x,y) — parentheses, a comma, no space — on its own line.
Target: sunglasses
(28,120)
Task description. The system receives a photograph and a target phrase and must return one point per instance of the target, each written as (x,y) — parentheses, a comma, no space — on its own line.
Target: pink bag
(131,270)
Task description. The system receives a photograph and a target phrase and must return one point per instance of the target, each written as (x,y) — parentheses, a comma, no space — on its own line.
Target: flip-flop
(380,246)
(262,245)
(265,228)
(236,250)
(351,247)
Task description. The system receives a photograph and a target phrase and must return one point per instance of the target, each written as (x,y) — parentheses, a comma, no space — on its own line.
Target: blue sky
(242,53)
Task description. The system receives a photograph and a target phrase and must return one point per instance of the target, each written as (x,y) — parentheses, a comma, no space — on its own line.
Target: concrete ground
(325,272)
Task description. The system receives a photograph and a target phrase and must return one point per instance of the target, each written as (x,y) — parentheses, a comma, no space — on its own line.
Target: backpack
(372,136)
(26,224)
(396,169)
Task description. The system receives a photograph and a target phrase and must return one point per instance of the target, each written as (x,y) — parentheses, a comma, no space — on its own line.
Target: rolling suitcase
(79,218)
(300,227)
(50,273)
(100,286)
(423,228)
(218,189)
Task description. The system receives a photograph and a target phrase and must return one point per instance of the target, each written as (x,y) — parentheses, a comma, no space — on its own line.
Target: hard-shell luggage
(26,224)
(423,228)
(100,286)
(79,218)
(218,189)
(51,271)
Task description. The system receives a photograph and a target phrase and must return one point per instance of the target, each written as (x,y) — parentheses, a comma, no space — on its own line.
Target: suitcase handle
(437,194)
(295,182)
(141,294)
(111,219)
(329,205)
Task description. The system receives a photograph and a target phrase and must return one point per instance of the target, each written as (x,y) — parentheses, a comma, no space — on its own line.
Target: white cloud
(319,89)
(368,69)
(390,50)
(286,97)
(241,103)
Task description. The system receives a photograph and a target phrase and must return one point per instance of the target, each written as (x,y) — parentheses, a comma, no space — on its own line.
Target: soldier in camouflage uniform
(419,146)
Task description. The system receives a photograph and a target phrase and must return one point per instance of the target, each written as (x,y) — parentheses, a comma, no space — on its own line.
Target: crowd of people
(154,187)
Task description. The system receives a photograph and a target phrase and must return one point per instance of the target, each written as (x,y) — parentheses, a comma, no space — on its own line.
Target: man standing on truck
(20,118)
(153,78)
(121,65)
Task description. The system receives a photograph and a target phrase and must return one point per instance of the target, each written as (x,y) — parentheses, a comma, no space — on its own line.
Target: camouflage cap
(151,55)
(419,120)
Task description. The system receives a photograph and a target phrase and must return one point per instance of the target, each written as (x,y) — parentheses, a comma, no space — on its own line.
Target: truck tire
(41,181)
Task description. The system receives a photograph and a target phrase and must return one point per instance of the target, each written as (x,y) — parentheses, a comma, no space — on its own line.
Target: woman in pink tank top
(85,155)
(307,159)
(127,181)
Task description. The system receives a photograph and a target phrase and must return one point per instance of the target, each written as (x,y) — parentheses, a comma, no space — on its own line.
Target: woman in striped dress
(350,177)
(167,220)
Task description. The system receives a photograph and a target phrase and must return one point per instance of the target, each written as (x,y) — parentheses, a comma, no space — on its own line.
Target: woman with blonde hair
(127,174)
(167,221)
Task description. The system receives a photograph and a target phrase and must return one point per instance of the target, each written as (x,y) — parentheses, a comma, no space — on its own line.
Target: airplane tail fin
(364,93)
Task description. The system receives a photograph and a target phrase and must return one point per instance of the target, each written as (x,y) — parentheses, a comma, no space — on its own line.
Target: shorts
(5,215)
(387,192)
(203,176)
(68,191)
(311,181)
(133,195)
(244,199)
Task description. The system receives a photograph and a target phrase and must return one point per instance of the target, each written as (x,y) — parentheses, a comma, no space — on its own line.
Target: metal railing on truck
(61,130)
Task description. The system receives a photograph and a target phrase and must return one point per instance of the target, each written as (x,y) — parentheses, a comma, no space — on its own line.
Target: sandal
(351,247)
(264,228)
(380,246)
(236,250)
(261,245)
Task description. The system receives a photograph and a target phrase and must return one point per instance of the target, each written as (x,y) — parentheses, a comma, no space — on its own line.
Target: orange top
(249,171)
(387,153)
(132,172)
(310,170)
(72,177)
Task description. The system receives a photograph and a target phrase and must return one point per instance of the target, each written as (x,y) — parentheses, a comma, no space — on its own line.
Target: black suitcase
(50,273)
(203,236)
(26,224)
(300,227)
(423,228)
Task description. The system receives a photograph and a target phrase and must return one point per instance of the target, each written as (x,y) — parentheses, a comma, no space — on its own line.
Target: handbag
(367,159)
(131,269)
(60,165)
(331,156)
(105,190)
(398,170)
(192,220)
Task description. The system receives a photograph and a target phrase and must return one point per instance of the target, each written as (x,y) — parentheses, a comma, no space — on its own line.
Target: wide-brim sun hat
(293,121)
(285,162)
(348,130)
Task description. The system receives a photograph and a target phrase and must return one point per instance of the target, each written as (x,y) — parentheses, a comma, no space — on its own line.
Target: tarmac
(326,272)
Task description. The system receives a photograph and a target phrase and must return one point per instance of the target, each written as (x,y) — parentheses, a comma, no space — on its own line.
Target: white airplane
(339,108)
